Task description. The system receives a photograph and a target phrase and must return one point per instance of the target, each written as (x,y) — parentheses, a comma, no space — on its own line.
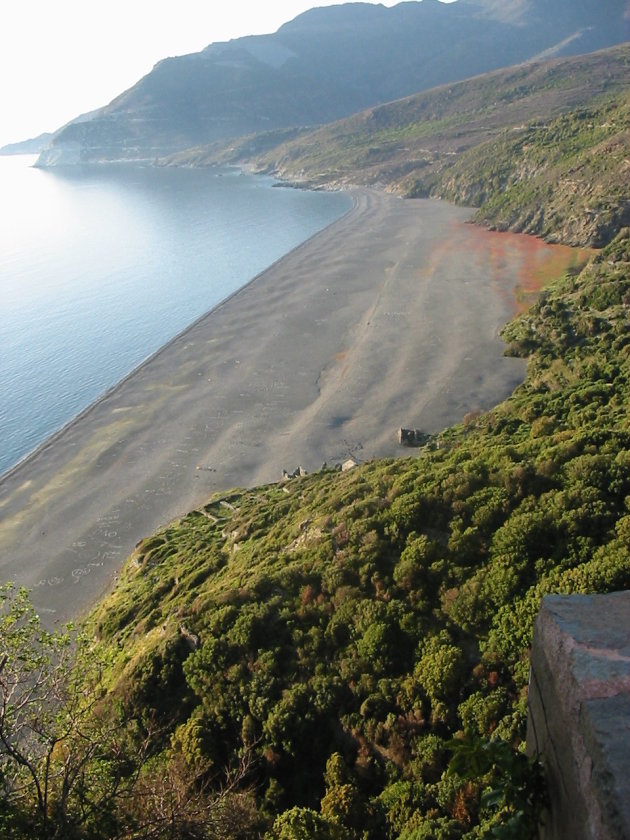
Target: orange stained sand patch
(552,263)
(533,262)
(340,358)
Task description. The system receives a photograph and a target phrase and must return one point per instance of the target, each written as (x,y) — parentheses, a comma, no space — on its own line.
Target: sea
(102,265)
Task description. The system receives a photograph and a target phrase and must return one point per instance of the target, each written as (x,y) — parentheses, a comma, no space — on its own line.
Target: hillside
(327,63)
(566,180)
(418,135)
(343,627)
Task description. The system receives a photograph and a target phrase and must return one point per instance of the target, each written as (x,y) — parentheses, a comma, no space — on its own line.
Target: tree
(36,684)
(74,763)
(305,824)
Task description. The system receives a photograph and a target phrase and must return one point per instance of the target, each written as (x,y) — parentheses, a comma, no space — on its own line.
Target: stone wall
(579,714)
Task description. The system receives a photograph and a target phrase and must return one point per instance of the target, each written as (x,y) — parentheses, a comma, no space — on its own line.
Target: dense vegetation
(299,660)
(357,622)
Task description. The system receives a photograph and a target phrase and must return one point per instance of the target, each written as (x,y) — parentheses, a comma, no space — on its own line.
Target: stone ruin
(411,437)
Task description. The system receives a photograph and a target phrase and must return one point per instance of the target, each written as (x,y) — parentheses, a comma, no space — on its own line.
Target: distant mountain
(550,134)
(28,147)
(328,63)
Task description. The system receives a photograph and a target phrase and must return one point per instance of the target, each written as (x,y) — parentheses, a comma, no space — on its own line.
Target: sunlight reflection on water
(100,266)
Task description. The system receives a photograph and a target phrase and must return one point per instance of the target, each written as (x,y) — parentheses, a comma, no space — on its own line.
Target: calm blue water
(100,266)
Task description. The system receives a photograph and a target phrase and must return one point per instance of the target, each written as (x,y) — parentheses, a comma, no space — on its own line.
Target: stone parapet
(579,714)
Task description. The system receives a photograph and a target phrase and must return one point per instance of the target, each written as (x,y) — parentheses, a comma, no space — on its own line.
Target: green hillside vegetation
(300,656)
(359,621)
(418,137)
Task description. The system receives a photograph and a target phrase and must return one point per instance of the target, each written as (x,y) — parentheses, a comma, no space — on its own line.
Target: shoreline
(388,317)
(85,412)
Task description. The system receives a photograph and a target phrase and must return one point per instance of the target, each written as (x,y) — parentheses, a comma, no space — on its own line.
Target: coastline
(388,317)
(85,412)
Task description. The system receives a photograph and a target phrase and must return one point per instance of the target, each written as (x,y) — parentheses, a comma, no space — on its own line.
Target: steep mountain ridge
(326,64)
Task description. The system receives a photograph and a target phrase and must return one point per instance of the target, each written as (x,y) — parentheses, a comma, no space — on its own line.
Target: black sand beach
(388,318)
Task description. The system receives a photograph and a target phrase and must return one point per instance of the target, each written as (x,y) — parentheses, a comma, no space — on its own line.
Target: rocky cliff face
(565,180)
(328,63)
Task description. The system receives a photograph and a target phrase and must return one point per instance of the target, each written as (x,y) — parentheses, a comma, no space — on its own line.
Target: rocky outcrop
(62,155)
(564,180)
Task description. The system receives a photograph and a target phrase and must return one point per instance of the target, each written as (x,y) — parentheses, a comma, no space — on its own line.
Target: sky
(61,58)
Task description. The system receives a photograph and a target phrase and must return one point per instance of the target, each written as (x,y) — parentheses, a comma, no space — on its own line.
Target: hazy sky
(60,58)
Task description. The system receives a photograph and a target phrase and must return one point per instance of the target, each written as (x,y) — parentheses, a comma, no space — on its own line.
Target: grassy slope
(566,180)
(415,138)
